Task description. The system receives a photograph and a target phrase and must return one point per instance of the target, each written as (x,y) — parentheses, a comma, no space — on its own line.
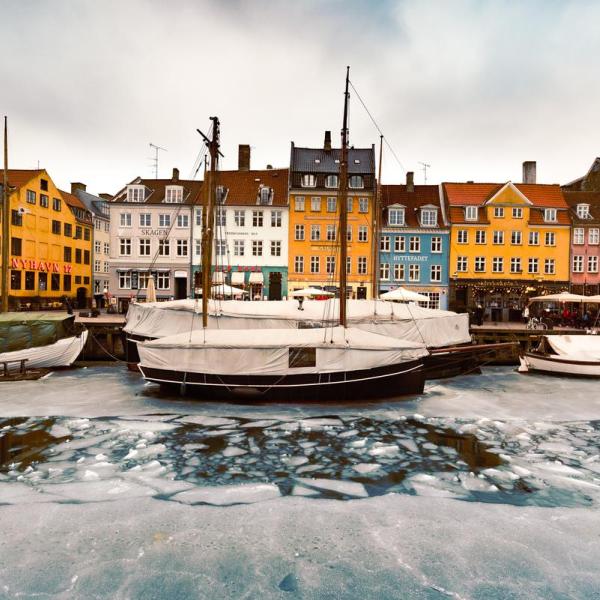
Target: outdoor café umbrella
(310,291)
(403,295)
(151,290)
(562,297)
(227,290)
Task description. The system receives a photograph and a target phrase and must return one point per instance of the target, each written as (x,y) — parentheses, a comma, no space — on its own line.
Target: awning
(237,278)
(256,277)
(218,277)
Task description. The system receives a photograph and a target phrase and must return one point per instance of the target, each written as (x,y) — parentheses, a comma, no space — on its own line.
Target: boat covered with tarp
(23,330)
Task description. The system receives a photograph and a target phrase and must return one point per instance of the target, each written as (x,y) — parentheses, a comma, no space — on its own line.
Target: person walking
(525,314)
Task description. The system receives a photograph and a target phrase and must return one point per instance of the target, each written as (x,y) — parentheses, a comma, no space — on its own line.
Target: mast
(377,225)
(5,223)
(344,207)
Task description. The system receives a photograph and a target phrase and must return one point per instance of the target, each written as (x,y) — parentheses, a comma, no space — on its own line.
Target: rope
(104,349)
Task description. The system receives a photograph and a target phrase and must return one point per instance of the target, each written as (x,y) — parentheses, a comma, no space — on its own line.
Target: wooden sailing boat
(336,363)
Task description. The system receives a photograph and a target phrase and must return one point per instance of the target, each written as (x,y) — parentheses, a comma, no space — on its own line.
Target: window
(400,244)
(480,236)
(125,219)
(517,213)
(315,233)
(97,246)
(78,255)
(498,212)
(106,265)
(15,280)
(583,211)
(299,233)
(436,272)
(471,213)
(534,238)
(363,233)
(239,247)
(314,264)
(184,220)
(315,204)
(349,204)
(515,238)
(197,247)
(67,254)
(78,232)
(87,234)
(331,181)
(174,194)
(384,271)
(330,265)
(220,248)
(434,299)
(56,204)
(594,236)
(86,257)
(16,218)
(164,247)
(163,281)
(349,233)
(550,215)
(299,203)
(97,266)
(67,283)
(106,248)
(257,248)
(299,264)
(198,214)
(592,264)
(331,233)
(43,281)
(363,205)
(498,237)
(164,220)
(414,244)
(362,265)
(550,238)
(578,235)
(308,181)
(299,358)
(578,264)
(44,184)
(31,197)
(462,236)
(182,247)
(480,264)
(30,280)
(144,247)
(275,218)
(355,182)
(399,272)
(533,266)
(145,220)
(68,230)
(143,281)
(239,218)
(428,217)
(549,266)
(436,244)
(135,193)
(462,264)
(396,216)
(125,280)
(56,227)
(515,265)
(384,244)
(220,218)
(414,272)
(331,204)
(348,265)
(55,282)
(16,246)
(125,247)
(257,218)
(265,195)
(44,200)
(275,248)
(497,264)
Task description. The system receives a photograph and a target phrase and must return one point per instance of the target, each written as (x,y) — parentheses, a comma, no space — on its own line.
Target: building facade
(314,243)
(50,242)
(508,242)
(151,234)
(251,231)
(414,241)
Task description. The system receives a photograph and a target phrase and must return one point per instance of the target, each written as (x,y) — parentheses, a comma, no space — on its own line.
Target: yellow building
(314,243)
(508,241)
(50,243)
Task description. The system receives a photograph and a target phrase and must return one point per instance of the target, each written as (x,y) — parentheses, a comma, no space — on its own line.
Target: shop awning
(218,277)
(237,278)
(256,277)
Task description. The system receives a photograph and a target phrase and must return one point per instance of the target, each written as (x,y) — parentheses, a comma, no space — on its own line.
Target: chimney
(269,167)
(529,171)
(106,196)
(244,157)
(175,174)
(410,181)
(76,185)
(327,142)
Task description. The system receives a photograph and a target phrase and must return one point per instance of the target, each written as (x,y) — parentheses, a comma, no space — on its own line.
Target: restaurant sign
(31,264)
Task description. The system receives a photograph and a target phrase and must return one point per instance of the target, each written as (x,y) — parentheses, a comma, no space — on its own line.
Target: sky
(471,87)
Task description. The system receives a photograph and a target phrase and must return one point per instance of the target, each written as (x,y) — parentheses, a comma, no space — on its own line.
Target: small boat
(575,355)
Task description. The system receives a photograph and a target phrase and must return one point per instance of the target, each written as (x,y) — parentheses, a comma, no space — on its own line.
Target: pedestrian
(525,314)
(68,305)
(479,314)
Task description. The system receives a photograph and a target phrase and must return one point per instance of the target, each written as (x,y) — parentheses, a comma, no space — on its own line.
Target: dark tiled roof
(92,203)
(536,217)
(304,160)
(422,195)
(243,186)
(155,190)
(591,198)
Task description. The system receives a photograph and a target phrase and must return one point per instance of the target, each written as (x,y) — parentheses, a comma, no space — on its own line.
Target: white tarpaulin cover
(267,352)
(576,347)
(404,295)
(436,328)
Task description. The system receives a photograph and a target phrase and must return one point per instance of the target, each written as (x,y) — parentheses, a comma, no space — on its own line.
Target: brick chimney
(244,157)
(529,171)
(410,181)
(327,142)
(76,185)
(175,176)
(106,196)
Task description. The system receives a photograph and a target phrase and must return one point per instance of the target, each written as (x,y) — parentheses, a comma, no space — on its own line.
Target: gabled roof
(476,194)
(72,200)
(92,203)
(423,195)
(18,178)
(243,186)
(591,198)
(155,190)
(318,160)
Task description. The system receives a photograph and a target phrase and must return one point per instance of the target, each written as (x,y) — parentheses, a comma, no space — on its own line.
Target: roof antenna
(155,158)
(425,167)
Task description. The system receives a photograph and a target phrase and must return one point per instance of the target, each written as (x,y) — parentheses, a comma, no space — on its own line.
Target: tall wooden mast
(343,207)
(5,223)
(377,225)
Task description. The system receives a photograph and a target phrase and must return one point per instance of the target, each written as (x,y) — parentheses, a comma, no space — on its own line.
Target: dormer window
(331,181)
(583,211)
(356,182)
(396,216)
(135,193)
(429,217)
(174,194)
(470,213)
(221,194)
(265,195)
(550,215)
(309,180)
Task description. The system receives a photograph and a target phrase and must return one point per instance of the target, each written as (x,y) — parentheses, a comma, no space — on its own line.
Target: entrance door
(275,285)
(81,297)
(180,288)
(361,293)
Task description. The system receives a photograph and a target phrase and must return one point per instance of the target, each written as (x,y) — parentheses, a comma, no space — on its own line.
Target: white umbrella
(227,290)
(151,290)
(562,297)
(404,295)
(310,291)
(593,299)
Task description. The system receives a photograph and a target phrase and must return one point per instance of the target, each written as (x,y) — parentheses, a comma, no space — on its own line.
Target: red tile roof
(72,200)
(457,215)
(19,177)
(243,186)
(421,195)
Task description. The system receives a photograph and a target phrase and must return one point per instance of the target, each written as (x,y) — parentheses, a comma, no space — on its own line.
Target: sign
(229,268)
(409,258)
(161,232)
(31,264)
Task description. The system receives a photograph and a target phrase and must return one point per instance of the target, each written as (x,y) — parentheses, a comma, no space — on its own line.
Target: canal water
(97,445)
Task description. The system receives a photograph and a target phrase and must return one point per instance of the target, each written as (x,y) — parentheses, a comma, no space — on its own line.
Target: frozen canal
(485,487)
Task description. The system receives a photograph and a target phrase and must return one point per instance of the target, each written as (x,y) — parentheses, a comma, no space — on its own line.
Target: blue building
(414,244)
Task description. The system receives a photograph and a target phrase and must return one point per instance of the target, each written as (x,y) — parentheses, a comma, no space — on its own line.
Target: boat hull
(383,382)
(553,365)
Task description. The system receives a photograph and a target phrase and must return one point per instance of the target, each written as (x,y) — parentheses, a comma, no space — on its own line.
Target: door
(361,293)
(180,288)
(81,297)
(275,285)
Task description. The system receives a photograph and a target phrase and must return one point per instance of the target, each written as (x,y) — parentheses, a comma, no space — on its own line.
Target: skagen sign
(157,232)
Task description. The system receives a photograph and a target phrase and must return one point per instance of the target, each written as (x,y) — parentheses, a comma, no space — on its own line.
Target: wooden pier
(106,339)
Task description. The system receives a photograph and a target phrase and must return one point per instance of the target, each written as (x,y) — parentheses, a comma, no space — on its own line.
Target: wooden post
(5,224)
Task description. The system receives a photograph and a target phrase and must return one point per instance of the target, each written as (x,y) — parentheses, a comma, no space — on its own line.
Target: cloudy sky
(473,88)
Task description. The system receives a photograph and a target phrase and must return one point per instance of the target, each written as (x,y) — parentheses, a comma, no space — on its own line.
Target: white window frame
(471,213)
(549,266)
(315,233)
(400,243)
(462,236)
(480,264)
(435,273)
(299,203)
(356,182)
(414,244)
(550,238)
(257,218)
(592,265)
(593,236)
(183,221)
(384,271)
(516,238)
(299,232)
(414,272)
(515,264)
(331,181)
(315,204)
(462,264)
(498,212)
(498,264)
(239,247)
(517,213)
(315,264)
(164,247)
(299,264)
(145,219)
(275,247)
(257,247)
(384,243)
(534,238)
(276,218)
(164,220)
(182,248)
(173,194)
(363,205)
(399,272)
(135,193)
(363,233)
(498,238)
(533,266)
(396,217)
(144,246)
(578,263)
(308,180)
(362,265)
(550,215)
(239,218)
(429,217)
(578,236)
(331,204)
(125,220)
(124,246)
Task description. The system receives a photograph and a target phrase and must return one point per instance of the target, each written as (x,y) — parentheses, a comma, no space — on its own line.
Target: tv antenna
(425,167)
(155,158)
